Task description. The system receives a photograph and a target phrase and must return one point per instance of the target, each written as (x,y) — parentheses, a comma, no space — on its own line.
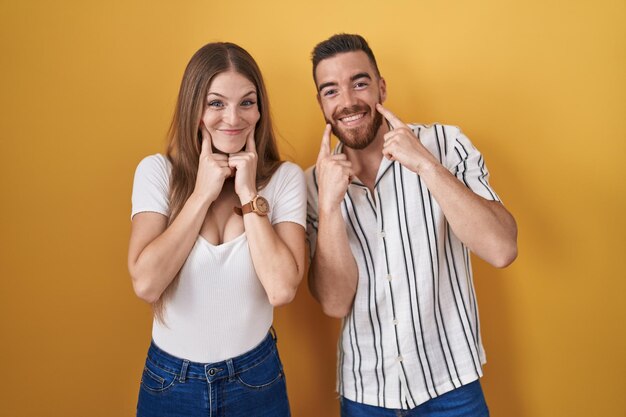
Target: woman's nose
(231,115)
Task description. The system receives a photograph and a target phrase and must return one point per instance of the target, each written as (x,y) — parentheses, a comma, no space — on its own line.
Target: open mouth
(352,119)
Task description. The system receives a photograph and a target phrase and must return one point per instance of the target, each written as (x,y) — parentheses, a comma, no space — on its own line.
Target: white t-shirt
(219,309)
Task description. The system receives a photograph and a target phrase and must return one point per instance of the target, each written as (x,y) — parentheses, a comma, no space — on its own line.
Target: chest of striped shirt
(413,332)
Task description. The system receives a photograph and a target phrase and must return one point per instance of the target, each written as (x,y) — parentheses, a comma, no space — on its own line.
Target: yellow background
(87,89)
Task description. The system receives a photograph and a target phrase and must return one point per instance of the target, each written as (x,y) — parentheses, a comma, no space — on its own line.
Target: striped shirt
(413,332)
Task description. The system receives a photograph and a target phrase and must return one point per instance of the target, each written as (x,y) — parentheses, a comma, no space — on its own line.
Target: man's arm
(484,226)
(333,274)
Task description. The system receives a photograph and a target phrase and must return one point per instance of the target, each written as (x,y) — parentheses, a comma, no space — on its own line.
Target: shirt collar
(382,169)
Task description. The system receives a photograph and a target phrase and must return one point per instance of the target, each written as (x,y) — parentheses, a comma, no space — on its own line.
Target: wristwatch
(258,205)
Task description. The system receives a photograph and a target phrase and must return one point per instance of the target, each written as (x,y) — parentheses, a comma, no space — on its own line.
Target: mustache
(347,111)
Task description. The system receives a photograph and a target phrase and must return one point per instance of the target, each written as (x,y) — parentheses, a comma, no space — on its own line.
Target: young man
(393,212)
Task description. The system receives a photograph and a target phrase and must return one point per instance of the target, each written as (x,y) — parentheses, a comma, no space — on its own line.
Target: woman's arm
(278,256)
(277,251)
(156,252)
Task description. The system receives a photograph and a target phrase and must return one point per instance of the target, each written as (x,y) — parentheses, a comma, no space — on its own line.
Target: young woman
(217,241)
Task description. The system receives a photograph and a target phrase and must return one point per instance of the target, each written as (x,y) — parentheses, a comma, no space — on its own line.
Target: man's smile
(352,119)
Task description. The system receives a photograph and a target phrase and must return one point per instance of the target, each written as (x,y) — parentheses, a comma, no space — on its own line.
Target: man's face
(348,90)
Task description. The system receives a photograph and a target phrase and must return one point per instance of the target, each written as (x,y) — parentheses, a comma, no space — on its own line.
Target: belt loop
(183,371)
(231,368)
(273,333)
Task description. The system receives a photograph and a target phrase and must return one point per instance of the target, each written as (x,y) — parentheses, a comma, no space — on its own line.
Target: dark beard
(361,137)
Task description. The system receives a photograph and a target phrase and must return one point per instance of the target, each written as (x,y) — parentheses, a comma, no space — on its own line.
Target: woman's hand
(244,164)
(213,170)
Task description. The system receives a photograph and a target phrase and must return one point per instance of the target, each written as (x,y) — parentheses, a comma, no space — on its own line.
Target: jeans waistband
(184,368)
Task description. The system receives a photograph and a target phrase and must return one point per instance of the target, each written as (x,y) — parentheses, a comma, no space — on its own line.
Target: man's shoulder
(310,177)
(434,129)
(437,137)
(309,173)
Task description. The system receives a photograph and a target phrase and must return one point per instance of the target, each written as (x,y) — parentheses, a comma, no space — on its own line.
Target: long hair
(185,137)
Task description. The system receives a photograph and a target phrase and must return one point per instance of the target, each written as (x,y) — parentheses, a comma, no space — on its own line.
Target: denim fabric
(466,401)
(252,384)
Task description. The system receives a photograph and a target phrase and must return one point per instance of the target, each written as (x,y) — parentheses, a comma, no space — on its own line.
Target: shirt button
(395,322)
(389,277)
(381,234)
(399,358)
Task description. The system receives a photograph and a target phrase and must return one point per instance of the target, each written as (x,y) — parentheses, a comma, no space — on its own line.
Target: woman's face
(230,111)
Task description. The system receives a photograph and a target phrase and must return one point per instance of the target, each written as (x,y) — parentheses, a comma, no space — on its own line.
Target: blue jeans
(465,401)
(252,384)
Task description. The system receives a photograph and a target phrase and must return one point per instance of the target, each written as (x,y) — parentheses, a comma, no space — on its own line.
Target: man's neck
(365,162)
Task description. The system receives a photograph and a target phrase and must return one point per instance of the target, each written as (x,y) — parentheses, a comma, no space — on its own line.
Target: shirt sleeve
(312,219)
(468,165)
(151,186)
(289,203)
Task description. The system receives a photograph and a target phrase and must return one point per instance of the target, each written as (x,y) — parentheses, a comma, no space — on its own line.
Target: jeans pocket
(262,375)
(156,379)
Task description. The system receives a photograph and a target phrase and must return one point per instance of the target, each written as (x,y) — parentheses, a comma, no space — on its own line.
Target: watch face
(262,205)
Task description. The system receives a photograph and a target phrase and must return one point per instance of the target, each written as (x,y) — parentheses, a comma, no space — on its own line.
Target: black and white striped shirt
(413,332)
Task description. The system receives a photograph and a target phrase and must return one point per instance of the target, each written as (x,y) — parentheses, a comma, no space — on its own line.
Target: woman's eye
(215,103)
(248,103)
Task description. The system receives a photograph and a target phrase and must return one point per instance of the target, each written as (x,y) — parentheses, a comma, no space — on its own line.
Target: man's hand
(334,173)
(403,146)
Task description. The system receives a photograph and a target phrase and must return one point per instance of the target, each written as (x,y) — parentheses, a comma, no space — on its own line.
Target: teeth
(352,118)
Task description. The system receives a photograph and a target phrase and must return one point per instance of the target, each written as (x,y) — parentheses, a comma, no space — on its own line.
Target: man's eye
(329,92)
(360,85)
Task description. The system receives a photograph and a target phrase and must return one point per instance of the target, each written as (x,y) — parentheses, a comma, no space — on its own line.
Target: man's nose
(348,99)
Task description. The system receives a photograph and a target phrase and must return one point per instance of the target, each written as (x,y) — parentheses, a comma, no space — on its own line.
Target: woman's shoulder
(286,173)
(288,169)
(156,160)
(156,164)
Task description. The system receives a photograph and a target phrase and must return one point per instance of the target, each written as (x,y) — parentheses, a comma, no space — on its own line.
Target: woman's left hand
(244,164)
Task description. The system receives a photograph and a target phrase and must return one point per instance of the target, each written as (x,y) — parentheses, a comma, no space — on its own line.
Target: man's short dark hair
(340,43)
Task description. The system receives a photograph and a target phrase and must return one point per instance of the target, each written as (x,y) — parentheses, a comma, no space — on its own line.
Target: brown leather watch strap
(253,207)
(245,209)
